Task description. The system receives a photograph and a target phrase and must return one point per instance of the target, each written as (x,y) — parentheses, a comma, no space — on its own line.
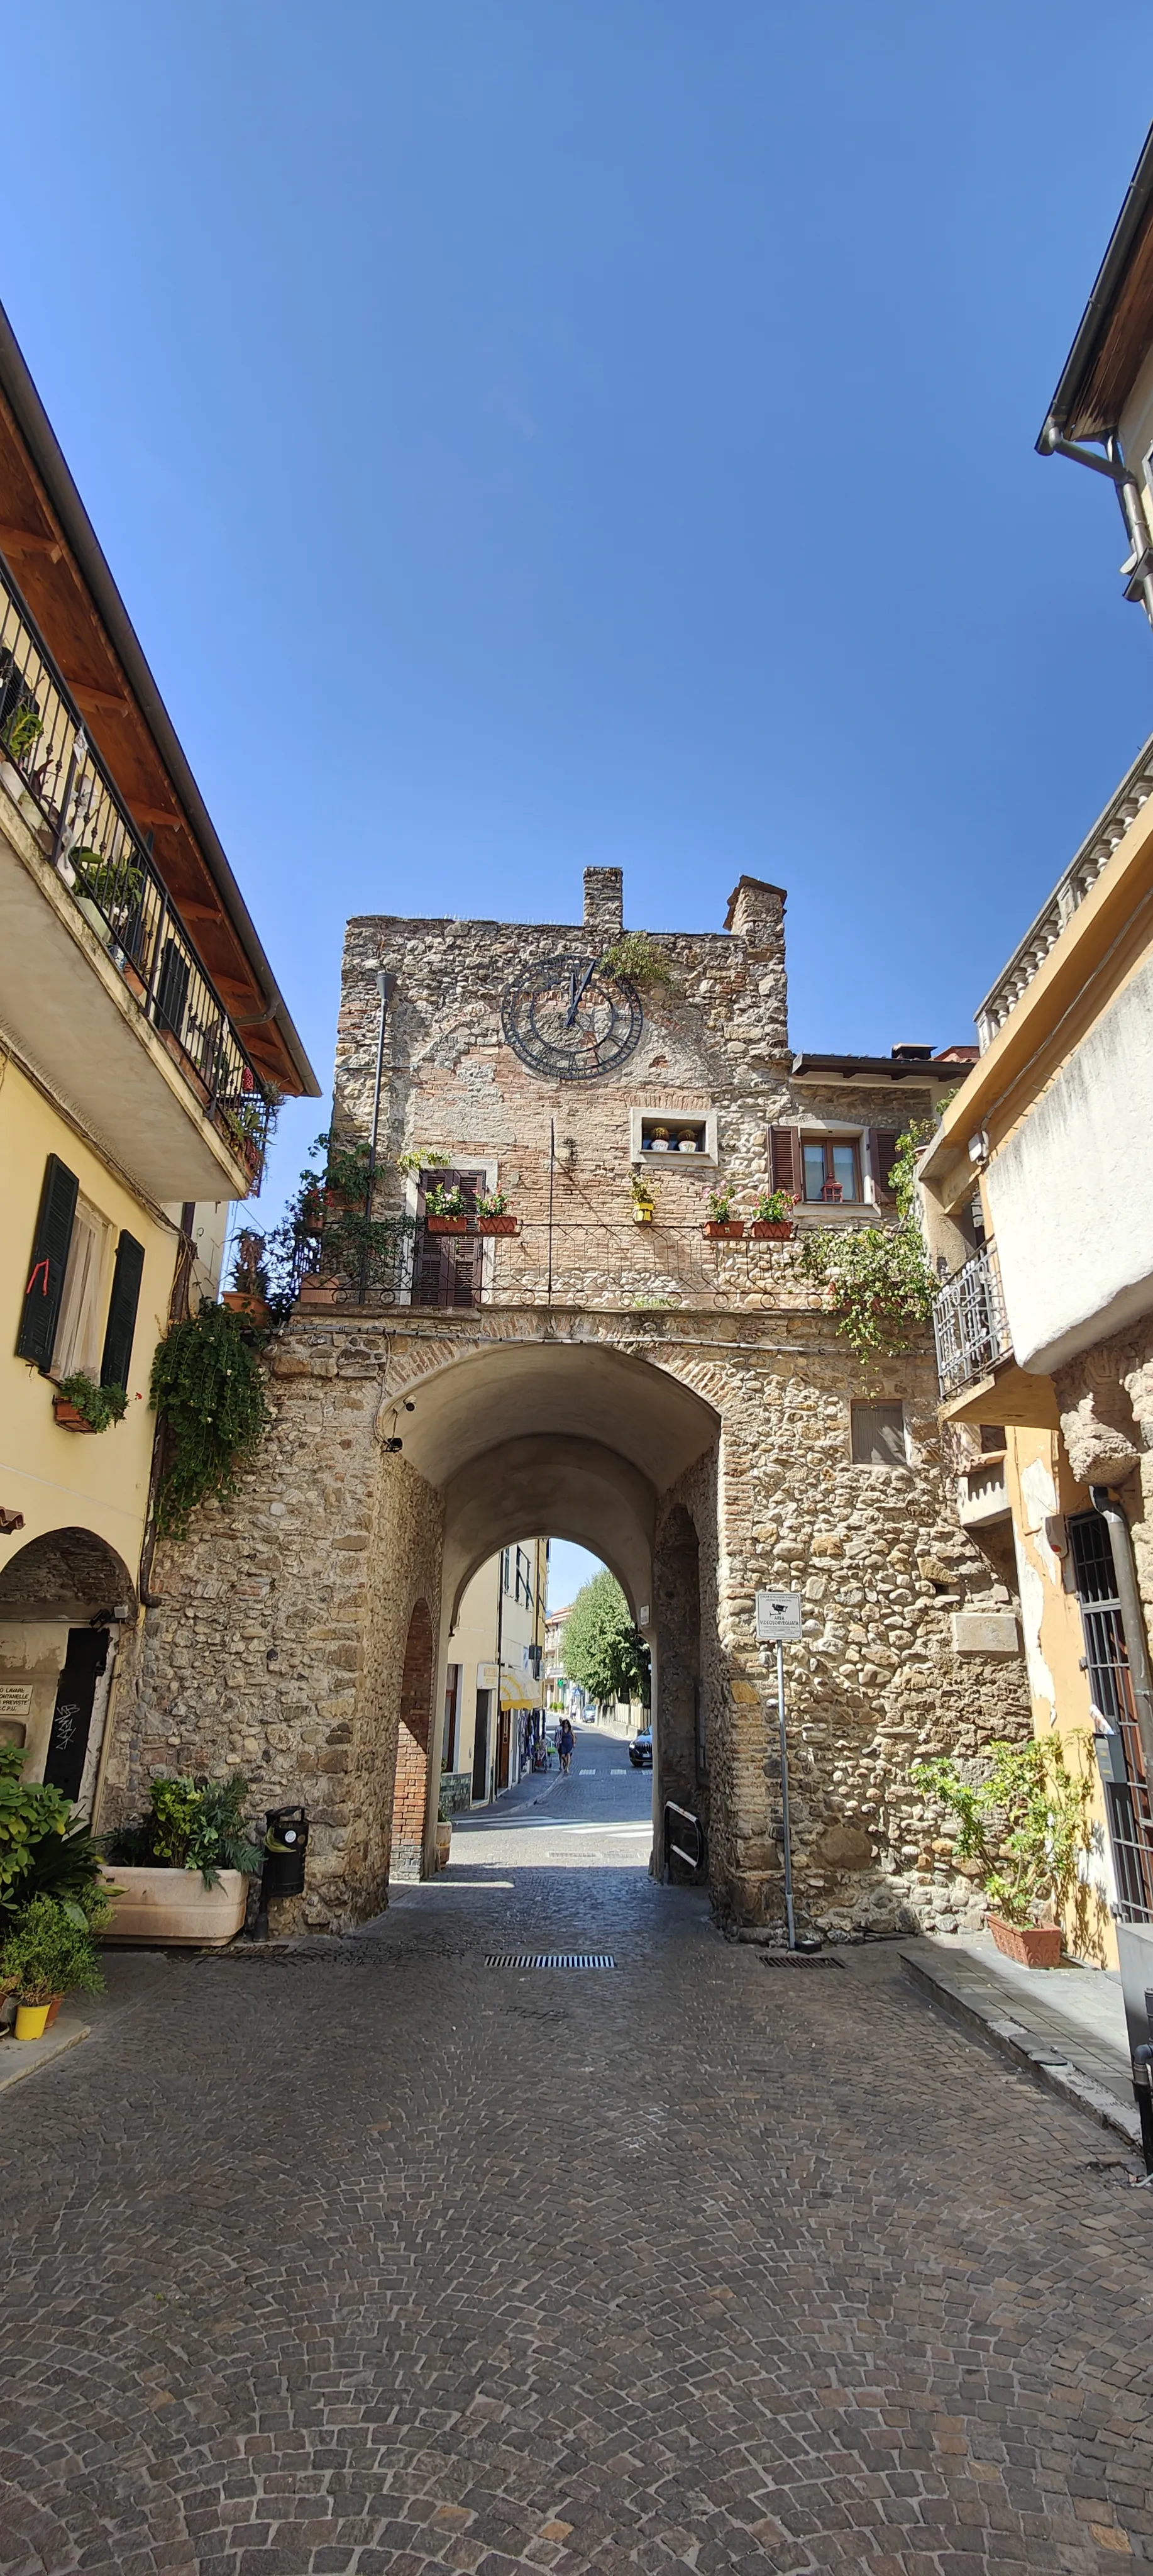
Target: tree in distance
(601,1649)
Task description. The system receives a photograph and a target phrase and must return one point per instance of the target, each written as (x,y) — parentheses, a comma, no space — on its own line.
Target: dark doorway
(480,1746)
(72,1717)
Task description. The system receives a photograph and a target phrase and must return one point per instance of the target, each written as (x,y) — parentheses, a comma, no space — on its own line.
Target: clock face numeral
(570,1020)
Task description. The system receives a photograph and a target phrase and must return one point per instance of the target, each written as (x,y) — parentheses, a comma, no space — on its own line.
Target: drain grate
(550,1959)
(797,1959)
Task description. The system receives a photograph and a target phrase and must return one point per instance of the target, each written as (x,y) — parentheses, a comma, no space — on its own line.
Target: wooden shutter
(882,1143)
(785,1160)
(41,1309)
(125,1299)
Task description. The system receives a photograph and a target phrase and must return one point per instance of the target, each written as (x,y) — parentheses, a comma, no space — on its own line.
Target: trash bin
(285,1846)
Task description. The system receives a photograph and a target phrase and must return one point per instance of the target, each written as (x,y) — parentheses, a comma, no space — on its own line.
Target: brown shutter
(882,1145)
(785,1160)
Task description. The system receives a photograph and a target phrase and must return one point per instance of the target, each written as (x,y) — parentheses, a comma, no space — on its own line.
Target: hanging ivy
(880,1283)
(208,1389)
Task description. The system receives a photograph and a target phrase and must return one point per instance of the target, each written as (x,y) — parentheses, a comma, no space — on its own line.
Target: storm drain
(550,1959)
(797,1959)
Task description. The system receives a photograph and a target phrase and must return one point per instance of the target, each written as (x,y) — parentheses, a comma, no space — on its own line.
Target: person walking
(566,1744)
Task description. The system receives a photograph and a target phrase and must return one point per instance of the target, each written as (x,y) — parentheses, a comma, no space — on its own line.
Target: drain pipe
(1132,1614)
(1138,571)
(386,986)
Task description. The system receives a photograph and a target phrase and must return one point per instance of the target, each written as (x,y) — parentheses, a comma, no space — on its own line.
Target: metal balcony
(969,1325)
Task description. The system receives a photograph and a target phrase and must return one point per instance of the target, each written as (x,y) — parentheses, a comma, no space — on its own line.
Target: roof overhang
(1116,328)
(61,571)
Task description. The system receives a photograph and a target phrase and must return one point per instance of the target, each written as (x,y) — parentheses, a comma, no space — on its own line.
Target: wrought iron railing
(76,814)
(619,1265)
(969,1323)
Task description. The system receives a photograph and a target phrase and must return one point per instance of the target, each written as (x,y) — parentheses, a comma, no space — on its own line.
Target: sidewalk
(1065,2025)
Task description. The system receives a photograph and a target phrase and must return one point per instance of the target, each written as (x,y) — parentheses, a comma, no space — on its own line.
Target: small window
(831,1167)
(879,1436)
(991,1436)
(669,1135)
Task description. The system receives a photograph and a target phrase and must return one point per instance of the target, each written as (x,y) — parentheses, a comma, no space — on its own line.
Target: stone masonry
(288,1639)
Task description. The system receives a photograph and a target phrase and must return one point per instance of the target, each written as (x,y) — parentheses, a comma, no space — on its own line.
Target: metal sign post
(778,1620)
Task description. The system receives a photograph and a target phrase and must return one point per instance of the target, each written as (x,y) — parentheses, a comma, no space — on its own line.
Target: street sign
(778,1618)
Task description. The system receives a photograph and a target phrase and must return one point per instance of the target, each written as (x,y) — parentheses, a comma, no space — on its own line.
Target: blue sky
(530,433)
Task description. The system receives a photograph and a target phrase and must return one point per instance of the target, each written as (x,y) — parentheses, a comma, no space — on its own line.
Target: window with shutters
(47,1265)
(79,1333)
(122,1305)
(831,1169)
(878,1435)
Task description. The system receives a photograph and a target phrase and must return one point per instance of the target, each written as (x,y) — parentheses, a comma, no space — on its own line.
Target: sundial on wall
(568,1018)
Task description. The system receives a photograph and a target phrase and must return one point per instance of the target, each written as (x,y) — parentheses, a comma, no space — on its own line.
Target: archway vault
(571,1488)
(579,1390)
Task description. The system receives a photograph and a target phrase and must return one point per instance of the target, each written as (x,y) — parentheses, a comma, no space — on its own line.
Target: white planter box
(165,1905)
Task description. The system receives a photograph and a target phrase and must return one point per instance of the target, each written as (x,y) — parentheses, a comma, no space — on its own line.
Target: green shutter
(41,1309)
(125,1299)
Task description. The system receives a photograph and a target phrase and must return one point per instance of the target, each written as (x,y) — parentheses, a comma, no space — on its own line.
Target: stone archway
(410,1779)
(64,1600)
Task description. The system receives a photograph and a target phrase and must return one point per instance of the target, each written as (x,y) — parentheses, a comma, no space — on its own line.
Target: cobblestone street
(367,2257)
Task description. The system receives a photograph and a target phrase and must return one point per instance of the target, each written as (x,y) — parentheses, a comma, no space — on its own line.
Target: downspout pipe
(386,987)
(1132,1614)
(1139,570)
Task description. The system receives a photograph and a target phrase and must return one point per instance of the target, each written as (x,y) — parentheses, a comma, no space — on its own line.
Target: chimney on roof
(604,906)
(907,1054)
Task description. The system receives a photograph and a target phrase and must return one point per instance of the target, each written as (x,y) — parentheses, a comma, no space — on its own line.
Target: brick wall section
(410,1792)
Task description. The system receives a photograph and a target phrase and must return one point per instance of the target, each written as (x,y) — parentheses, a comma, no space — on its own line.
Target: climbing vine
(208,1389)
(881,1288)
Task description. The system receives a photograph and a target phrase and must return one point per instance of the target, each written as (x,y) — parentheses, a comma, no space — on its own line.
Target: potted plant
(46,1955)
(721,1225)
(644,1204)
(248,1294)
(80,1405)
(491,1213)
(181,1874)
(1027,1825)
(772,1222)
(445,1210)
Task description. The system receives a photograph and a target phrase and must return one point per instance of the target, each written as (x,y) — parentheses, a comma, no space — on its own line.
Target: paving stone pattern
(361,2257)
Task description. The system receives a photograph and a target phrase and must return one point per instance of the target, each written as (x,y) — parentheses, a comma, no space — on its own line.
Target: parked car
(641,1750)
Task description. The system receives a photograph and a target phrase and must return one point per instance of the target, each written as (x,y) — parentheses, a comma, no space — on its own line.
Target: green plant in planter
(442,1202)
(490,1203)
(22,730)
(643,1192)
(774,1207)
(42,1851)
(639,960)
(720,1207)
(424,1158)
(193,1825)
(1028,1824)
(99,1406)
(208,1389)
(47,1953)
(881,1286)
(114,885)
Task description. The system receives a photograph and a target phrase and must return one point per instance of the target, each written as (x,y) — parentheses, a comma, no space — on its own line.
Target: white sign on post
(778,1618)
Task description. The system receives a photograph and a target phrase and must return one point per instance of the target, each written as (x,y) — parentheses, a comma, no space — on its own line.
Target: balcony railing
(969,1324)
(582,1262)
(75,813)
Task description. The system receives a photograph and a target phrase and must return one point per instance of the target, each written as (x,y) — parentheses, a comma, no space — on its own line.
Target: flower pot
(1033,1945)
(164,1906)
(95,919)
(765,1232)
(446,1224)
(32,2020)
(53,2009)
(256,1308)
(643,1215)
(315,1291)
(68,1417)
(727,1233)
(496,1225)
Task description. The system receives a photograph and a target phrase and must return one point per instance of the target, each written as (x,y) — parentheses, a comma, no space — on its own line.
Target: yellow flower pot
(30,2020)
(642,1214)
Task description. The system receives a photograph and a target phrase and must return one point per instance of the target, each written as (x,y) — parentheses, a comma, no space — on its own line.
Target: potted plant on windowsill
(644,1204)
(80,1405)
(46,1955)
(491,1213)
(182,1874)
(1027,1826)
(248,1294)
(444,1210)
(721,1226)
(772,1217)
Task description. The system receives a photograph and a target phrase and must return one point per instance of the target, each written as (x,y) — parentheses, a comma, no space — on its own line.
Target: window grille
(1127,1802)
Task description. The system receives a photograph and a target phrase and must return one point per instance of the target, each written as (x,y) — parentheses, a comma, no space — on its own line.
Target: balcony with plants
(98,870)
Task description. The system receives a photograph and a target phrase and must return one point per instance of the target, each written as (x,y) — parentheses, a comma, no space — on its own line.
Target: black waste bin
(285,1846)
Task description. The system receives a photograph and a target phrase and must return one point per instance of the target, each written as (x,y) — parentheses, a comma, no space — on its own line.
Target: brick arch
(410,1789)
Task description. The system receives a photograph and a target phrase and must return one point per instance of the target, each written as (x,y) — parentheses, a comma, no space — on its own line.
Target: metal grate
(969,1323)
(797,1959)
(1127,1799)
(550,1959)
